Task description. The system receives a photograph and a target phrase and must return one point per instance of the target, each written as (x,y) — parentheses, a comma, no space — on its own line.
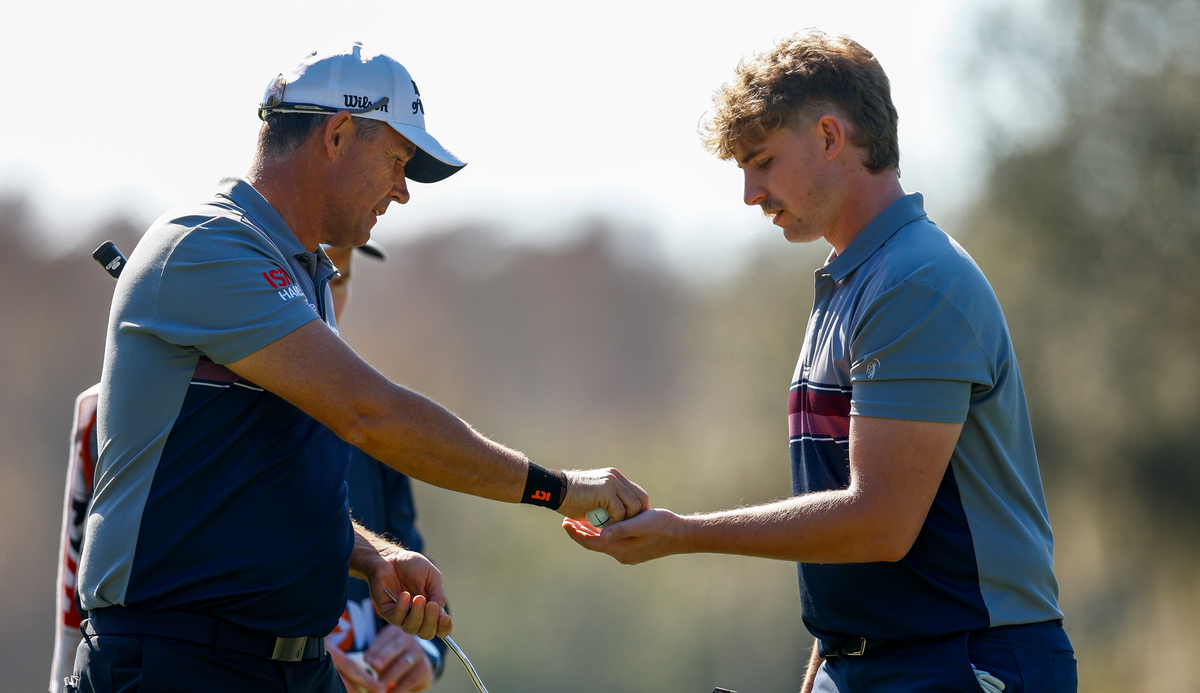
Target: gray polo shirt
(211,494)
(905,326)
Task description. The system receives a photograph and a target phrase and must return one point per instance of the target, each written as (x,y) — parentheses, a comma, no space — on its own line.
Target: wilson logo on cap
(363,102)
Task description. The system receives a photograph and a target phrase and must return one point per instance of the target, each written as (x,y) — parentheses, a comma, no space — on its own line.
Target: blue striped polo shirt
(905,326)
(213,495)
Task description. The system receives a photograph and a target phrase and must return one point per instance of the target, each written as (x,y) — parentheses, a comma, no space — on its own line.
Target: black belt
(202,630)
(857,647)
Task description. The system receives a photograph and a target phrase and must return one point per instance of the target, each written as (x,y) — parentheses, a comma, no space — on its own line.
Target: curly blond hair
(806,73)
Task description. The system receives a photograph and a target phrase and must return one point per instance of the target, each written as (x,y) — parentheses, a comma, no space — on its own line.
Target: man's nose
(753,193)
(400,188)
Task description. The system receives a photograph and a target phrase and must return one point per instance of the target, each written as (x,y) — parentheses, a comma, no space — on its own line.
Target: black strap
(543,487)
(846,647)
(201,630)
(857,646)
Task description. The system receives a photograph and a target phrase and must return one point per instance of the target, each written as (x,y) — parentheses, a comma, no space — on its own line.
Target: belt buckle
(862,649)
(289,649)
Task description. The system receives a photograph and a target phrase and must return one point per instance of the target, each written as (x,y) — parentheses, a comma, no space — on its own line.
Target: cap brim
(432,162)
(374,250)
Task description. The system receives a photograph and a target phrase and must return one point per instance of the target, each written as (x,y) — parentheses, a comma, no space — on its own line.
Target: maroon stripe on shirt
(212,372)
(819,413)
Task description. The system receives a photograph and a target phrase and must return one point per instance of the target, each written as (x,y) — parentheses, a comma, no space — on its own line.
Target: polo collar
(902,212)
(245,196)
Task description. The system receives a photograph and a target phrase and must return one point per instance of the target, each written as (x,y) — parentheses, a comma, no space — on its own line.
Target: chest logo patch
(283,284)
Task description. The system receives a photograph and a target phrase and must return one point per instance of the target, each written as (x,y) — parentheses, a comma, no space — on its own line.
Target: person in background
(380,500)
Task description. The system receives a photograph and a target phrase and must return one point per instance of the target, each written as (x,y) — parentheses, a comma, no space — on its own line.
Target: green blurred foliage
(1090,232)
(51,346)
(1088,227)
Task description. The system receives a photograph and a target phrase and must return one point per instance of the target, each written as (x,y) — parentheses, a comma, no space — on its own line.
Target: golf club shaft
(458,651)
(467,663)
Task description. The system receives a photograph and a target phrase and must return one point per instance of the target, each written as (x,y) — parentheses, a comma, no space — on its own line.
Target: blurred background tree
(591,354)
(1090,232)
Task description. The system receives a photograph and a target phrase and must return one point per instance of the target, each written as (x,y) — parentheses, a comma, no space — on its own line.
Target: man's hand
(652,534)
(602,488)
(353,676)
(405,587)
(416,586)
(400,662)
(402,665)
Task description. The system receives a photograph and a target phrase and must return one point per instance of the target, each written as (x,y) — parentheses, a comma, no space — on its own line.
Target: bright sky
(563,110)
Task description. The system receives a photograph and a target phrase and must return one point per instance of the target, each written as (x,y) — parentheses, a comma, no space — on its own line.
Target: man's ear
(831,128)
(336,132)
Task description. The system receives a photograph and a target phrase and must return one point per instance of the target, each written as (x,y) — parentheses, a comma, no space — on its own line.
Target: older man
(918,519)
(380,499)
(218,539)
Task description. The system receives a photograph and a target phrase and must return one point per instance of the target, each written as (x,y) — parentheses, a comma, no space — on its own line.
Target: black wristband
(544,487)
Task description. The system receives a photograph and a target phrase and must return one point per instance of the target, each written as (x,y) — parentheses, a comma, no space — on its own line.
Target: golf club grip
(110,258)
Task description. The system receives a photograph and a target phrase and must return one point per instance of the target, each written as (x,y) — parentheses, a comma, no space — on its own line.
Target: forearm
(369,547)
(422,439)
(896,467)
(313,369)
(844,526)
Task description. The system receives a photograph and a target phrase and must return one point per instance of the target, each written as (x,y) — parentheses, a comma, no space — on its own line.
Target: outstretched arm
(313,369)
(896,467)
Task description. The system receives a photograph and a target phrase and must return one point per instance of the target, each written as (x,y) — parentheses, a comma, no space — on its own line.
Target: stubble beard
(800,230)
(346,229)
(803,231)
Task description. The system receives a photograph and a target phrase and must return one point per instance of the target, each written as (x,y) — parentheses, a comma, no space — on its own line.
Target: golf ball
(598,517)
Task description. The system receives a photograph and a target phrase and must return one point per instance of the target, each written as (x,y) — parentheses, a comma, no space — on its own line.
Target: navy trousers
(143,664)
(1028,658)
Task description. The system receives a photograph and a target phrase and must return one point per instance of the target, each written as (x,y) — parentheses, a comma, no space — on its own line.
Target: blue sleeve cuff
(941,401)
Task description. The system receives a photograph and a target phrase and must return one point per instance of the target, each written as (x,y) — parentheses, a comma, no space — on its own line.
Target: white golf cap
(367,85)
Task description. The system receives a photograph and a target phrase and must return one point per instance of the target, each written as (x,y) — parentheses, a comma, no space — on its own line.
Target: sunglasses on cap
(272,102)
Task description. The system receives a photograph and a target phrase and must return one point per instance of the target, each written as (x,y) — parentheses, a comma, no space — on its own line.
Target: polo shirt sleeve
(915,356)
(227,292)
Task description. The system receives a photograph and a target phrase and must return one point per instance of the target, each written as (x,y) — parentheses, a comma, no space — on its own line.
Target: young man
(918,520)
(218,541)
